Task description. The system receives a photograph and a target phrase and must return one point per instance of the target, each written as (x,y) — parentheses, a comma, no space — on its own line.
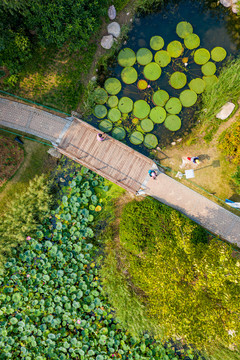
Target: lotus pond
(150,94)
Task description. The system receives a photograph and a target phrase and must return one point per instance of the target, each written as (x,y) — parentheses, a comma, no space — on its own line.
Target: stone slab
(225,111)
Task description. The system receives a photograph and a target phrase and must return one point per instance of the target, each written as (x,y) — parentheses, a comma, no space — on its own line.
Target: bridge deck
(110,158)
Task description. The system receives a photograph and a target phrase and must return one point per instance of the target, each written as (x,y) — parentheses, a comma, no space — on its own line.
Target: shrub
(229,143)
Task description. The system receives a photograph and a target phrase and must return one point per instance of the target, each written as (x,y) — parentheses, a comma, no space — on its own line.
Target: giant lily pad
(152,71)
(105,125)
(160,97)
(150,141)
(183,29)
(141,109)
(112,101)
(100,111)
(129,75)
(156,43)
(114,114)
(142,84)
(126,57)
(192,41)
(144,56)
(209,68)
(100,96)
(172,122)
(147,125)
(209,80)
(178,80)
(188,98)
(162,58)
(173,106)
(112,86)
(136,138)
(175,49)
(158,114)
(118,133)
(218,53)
(201,56)
(125,105)
(197,85)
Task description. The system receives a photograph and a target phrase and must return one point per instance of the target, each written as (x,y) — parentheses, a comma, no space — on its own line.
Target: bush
(229,143)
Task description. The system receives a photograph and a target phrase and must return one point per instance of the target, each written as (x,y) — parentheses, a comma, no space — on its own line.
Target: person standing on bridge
(100,137)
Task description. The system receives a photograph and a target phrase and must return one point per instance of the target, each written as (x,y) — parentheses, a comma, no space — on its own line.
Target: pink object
(100,137)
(28,238)
(78,321)
(149,86)
(28,275)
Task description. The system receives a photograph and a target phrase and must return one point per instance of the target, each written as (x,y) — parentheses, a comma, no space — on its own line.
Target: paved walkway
(33,121)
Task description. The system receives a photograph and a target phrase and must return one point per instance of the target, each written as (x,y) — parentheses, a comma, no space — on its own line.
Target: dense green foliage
(192,288)
(229,143)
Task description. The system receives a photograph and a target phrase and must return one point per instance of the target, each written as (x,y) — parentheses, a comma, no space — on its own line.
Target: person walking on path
(100,137)
(152,174)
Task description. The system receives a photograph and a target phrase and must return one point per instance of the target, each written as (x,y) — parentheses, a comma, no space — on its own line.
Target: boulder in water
(226,3)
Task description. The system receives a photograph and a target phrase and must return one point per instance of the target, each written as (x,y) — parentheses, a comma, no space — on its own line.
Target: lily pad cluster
(162,109)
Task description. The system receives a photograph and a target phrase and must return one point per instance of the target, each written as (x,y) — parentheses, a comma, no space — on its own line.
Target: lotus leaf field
(155,106)
(51,300)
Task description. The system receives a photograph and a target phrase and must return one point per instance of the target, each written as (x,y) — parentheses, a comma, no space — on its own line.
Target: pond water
(212,25)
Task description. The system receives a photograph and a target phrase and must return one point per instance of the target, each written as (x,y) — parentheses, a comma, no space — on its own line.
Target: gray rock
(112,12)
(226,3)
(114,29)
(53,152)
(94,78)
(173,143)
(107,42)
(225,111)
(235,8)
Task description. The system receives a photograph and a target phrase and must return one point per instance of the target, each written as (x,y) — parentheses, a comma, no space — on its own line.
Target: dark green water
(214,26)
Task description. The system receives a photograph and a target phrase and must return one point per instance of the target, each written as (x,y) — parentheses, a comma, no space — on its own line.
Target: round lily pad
(188,98)
(100,96)
(118,133)
(197,85)
(142,84)
(175,49)
(172,122)
(173,106)
(201,56)
(183,29)
(162,58)
(209,80)
(105,125)
(112,101)
(218,53)
(158,114)
(152,71)
(114,114)
(147,125)
(126,57)
(156,43)
(144,56)
(136,138)
(150,141)
(125,105)
(192,41)
(129,75)
(178,80)
(209,68)
(112,86)
(100,111)
(141,109)
(160,97)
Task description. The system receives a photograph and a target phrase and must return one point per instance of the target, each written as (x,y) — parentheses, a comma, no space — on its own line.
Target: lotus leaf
(178,80)
(105,125)
(100,96)
(160,97)
(114,114)
(126,57)
(150,141)
(112,101)
(152,71)
(209,68)
(125,105)
(173,106)
(141,109)
(184,29)
(100,111)
(136,138)
(175,49)
(197,85)
(172,122)
(129,75)
(118,133)
(192,41)
(144,56)
(158,114)
(209,80)
(112,86)
(147,125)
(201,56)
(218,54)
(188,98)
(156,42)
(162,58)
(142,84)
